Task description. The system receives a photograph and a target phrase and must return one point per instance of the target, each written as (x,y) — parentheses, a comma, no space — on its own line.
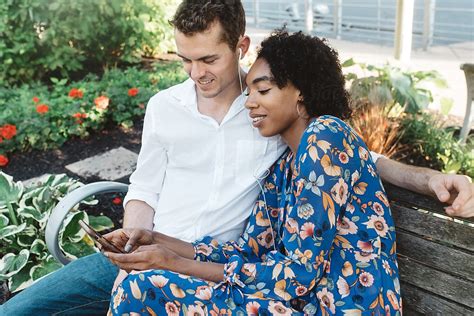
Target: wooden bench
(435,252)
(435,256)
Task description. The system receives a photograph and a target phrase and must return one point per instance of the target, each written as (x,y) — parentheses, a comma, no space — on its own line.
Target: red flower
(42,108)
(8,131)
(78,116)
(76,93)
(3,161)
(36,99)
(117,201)
(132,92)
(101,103)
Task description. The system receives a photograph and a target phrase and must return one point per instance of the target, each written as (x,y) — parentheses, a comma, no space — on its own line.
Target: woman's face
(273,110)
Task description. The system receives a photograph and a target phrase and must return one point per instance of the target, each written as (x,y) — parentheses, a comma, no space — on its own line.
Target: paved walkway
(445,59)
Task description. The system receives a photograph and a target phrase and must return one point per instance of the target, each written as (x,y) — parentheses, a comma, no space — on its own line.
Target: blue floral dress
(320,240)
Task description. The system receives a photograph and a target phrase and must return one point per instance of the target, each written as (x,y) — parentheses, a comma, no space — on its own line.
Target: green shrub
(24,213)
(39,38)
(439,146)
(390,86)
(45,117)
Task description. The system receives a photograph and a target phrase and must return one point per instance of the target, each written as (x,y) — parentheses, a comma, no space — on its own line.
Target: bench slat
(411,199)
(436,282)
(449,260)
(419,302)
(434,228)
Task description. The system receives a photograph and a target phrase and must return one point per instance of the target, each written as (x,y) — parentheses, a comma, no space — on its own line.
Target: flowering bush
(43,117)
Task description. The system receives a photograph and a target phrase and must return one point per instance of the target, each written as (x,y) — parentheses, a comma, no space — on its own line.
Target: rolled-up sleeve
(147,180)
(376,156)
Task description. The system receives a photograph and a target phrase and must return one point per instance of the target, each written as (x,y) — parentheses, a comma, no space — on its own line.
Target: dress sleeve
(145,185)
(325,160)
(257,239)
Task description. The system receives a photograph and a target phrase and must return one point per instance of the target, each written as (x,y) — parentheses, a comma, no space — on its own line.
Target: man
(200,162)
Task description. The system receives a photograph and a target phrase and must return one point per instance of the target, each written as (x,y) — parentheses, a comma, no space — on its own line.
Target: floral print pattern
(320,241)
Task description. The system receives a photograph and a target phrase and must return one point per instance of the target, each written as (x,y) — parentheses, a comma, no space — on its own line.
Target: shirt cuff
(149,198)
(231,271)
(376,156)
(202,248)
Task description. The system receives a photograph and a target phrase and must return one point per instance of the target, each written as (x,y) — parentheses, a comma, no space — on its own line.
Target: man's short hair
(194,16)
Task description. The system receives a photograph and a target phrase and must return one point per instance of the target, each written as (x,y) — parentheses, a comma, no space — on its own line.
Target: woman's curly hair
(312,67)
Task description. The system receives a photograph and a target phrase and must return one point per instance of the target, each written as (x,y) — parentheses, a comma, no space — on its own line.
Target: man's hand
(129,239)
(144,258)
(456,190)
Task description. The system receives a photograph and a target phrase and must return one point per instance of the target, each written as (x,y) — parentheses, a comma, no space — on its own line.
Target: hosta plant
(24,213)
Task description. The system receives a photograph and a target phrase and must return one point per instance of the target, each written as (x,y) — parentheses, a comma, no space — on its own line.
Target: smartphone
(99,239)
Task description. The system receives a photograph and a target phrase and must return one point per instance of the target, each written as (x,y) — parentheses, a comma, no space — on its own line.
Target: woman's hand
(145,258)
(129,239)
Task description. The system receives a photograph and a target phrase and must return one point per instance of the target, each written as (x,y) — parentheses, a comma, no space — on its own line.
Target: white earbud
(238,71)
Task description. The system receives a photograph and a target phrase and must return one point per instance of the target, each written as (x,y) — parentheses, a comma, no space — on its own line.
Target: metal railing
(435,22)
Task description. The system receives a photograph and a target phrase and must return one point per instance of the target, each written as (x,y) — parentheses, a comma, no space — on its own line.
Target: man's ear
(244,45)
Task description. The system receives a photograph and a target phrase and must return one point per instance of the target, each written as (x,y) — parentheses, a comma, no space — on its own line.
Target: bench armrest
(66,204)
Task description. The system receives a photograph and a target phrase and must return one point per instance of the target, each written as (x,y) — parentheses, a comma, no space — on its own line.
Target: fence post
(337,18)
(428,23)
(256,11)
(308,8)
(404,29)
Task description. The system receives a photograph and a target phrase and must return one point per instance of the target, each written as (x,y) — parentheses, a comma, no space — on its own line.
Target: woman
(320,239)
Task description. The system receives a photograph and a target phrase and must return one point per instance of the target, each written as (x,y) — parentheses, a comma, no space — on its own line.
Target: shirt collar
(188,97)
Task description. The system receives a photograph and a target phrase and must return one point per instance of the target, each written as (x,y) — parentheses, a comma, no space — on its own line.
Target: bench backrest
(435,256)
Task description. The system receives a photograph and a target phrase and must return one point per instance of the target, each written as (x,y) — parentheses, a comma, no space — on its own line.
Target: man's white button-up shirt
(199,177)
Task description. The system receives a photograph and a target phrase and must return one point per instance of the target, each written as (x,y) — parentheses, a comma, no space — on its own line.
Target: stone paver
(111,165)
(36,180)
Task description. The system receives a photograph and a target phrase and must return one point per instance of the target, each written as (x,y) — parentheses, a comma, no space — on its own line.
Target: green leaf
(100,223)
(38,247)
(446,105)
(25,241)
(3,221)
(21,279)
(11,230)
(348,63)
(73,230)
(77,250)
(44,268)
(10,191)
(53,6)
(10,264)
(31,212)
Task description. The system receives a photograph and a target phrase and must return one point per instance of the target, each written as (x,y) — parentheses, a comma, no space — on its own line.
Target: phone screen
(99,239)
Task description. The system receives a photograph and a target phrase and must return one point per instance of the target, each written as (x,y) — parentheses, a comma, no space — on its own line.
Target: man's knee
(82,282)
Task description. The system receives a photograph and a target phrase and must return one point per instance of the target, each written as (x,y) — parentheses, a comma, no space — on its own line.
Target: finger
(128,266)
(450,211)
(116,237)
(126,258)
(465,193)
(133,240)
(440,189)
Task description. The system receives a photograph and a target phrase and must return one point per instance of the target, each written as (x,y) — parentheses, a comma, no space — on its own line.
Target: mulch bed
(27,165)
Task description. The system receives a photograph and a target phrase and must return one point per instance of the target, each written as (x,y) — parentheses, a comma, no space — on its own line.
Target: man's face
(209,61)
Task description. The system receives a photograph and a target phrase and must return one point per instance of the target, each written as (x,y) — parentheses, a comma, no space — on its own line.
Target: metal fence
(435,22)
